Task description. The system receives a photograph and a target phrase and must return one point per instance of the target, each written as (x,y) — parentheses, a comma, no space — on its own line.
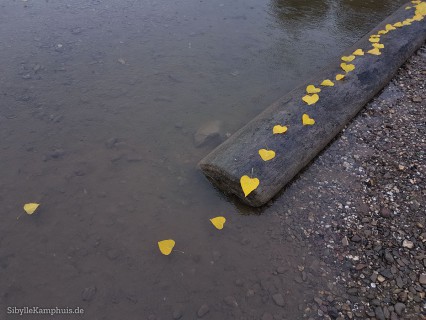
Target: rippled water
(99,104)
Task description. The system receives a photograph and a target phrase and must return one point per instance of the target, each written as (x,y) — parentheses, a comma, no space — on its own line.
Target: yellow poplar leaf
(375,52)
(390,27)
(406,23)
(266,155)
(407,8)
(373,40)
(398,24)
(348,58)
(382,32)
(327,83)
(378,45)
(340,77)
(311,99)
(218,222)
(421,9)
(248,184)
(358,52)
(166,246)
(307,121)
(418,17)
(30,208)
(279,129)
(374,36)
(312,89)
(347,67)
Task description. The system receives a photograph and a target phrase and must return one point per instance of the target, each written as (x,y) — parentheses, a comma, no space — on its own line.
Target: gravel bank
(363,209)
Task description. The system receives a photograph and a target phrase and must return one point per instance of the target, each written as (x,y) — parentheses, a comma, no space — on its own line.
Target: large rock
(210,133)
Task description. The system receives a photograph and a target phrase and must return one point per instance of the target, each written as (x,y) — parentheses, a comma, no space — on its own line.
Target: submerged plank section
(401,34)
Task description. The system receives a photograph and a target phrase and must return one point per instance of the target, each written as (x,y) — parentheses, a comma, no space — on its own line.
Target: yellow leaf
(415,1)
(358,52)
(327,83)
(340,77)
(166,246)
(374,36)
(418,17)
(406,23)
(266,155)
(390,27)
(311,99)
(407,8)
(373,40)
(378,45)
(421,9)
(248,184)
(348,58)
(312,89)
(218,222)
(30,208)
(279,129)
(382,32)
(307,121)
(347,67)
(398,24)
(375,51)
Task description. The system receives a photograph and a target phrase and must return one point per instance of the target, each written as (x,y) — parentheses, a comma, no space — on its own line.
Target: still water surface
(99,104)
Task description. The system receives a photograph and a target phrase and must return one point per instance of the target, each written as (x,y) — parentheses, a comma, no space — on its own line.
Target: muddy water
(99,104)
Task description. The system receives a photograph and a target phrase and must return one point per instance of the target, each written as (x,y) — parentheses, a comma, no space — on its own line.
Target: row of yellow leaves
(249,184)
(165,246)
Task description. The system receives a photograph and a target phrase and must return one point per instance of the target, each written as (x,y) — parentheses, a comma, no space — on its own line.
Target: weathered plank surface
(337,105)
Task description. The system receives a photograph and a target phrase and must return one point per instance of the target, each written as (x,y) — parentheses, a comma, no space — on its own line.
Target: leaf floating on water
(311,99)
(249,184)
(327,83)
(358,52)
(166,246)
(30,208)
(340,77)
(312,89)
(398,24)
(347,67)
(307,121)
(218,222)
(378,45)
(375,52)
(279,129)
(266,155)
(348,58)
(390,27)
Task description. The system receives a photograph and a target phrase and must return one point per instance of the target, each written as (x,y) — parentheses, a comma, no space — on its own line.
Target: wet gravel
(363,211)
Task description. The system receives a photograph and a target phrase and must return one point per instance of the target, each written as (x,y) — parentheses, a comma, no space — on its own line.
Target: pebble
(399,308)
(88,293)
(204,309)
(231,301)
(408,244)
(422,278)
(278,299)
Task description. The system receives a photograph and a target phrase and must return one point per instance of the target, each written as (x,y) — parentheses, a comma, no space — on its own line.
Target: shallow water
(99,104)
